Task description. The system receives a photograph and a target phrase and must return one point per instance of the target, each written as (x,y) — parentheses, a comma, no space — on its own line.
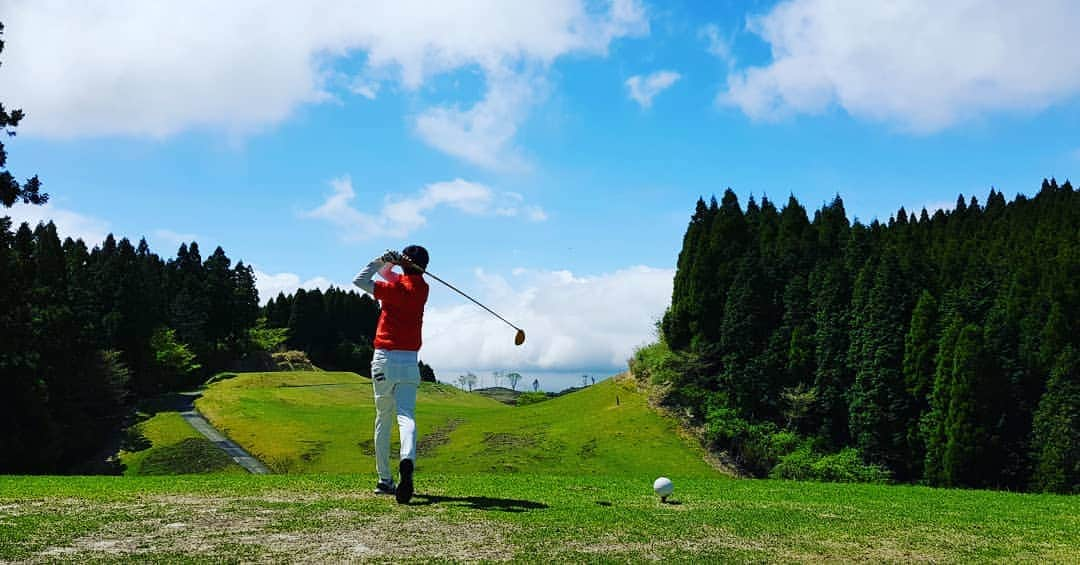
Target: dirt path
(242,458)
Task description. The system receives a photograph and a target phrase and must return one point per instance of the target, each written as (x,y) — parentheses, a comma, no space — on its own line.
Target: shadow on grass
(478,503)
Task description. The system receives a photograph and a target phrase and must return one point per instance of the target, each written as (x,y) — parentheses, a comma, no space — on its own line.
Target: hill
(322,422)
(499,393)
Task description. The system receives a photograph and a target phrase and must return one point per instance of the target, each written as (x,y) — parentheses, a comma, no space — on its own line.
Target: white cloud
(130,67)
(570,321)
(718,46)
(367,88)
(483,135)
(922,65)
(400,216)
(269,285)
(68,223)
(642,89)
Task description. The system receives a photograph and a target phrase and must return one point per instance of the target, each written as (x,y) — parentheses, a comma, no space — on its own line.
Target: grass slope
(175,448)
(524,517)
(322,422)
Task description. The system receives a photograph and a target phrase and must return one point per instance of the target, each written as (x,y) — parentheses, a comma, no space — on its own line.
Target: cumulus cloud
(483,134)
(642,89)
(129,67)
(400,216)
(270,284)
(68,223)
(921,65)
(571,321)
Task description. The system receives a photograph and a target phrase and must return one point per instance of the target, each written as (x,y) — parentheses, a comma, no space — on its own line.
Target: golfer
(395,374)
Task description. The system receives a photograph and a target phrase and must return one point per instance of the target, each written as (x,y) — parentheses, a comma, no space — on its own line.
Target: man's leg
(405,399)
(384,422)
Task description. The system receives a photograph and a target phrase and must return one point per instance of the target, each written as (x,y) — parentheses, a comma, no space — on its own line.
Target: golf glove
(390,257)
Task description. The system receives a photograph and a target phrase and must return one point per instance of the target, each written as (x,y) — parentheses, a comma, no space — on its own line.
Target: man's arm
(363,278)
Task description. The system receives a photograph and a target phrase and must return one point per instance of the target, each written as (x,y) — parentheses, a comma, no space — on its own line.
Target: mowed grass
(523,517)
(323,422)
(174,447)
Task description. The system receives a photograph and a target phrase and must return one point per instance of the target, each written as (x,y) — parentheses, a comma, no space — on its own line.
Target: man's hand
(391,257)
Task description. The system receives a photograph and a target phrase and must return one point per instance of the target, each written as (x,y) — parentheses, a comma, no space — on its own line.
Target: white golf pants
(395,377)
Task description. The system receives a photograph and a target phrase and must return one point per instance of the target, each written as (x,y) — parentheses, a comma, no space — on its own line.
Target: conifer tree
(1056,432)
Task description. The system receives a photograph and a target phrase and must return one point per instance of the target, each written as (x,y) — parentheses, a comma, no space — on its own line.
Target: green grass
(523,517)
(174,447)
(323,422)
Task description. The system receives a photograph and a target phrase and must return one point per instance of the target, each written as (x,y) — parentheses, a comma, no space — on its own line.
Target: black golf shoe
(405,489)
(385,488)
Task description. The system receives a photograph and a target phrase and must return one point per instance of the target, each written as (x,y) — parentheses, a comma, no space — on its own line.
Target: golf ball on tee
(663,486)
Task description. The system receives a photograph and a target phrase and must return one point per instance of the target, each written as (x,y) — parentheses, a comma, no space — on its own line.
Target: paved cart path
(243,458)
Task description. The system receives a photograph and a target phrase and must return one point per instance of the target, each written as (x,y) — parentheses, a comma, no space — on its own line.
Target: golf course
(568,479)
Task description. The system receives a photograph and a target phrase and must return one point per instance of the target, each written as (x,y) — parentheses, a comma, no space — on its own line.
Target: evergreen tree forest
(335,328)
(941,349)
(87,332)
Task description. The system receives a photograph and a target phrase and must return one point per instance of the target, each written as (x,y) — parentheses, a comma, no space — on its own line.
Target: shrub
(527,398)
(845,466)
(756,447)
(293,360)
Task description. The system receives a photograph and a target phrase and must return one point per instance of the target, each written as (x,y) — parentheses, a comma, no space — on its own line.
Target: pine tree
(1056,441)
(878,403)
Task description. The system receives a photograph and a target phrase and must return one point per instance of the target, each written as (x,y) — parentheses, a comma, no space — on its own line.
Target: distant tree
(584,380)
(536,385)
(470,380)
(513,379)
(427,374)
(462,381)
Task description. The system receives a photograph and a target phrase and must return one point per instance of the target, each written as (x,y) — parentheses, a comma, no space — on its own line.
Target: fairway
(525,518)
(322,422)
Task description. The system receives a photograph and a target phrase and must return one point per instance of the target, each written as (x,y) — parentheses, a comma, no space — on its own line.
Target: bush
(844,467)
(756,447)
(527,398)
(293,360)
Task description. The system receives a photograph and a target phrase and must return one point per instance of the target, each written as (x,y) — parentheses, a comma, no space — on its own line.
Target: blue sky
(547,153)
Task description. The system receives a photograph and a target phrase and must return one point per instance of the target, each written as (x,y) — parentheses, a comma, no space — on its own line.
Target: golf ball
(663,486)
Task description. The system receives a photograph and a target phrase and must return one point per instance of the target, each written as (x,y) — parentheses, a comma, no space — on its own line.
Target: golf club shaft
(453,288)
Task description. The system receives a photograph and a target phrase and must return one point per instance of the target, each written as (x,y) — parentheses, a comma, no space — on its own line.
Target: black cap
(418,255)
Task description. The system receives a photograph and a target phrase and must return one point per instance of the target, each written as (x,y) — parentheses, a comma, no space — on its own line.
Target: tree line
(86,332)
(937,348)
(336,328)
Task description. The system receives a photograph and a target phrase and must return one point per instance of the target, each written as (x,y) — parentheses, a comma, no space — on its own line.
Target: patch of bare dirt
(218,527)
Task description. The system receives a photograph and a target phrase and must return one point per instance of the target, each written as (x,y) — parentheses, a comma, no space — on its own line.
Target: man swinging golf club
(395,375)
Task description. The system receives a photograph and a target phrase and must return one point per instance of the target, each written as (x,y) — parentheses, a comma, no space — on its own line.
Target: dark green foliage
(925,342)
(336,328)
(1056,441)
(427,374)
(85,333)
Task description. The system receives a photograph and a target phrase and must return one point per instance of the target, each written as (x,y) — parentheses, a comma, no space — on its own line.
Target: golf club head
(519,338)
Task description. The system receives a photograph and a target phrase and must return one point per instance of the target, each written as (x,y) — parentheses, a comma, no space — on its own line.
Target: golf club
(519,338)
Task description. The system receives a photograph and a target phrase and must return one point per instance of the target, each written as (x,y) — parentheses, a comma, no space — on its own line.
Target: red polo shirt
(402,312)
